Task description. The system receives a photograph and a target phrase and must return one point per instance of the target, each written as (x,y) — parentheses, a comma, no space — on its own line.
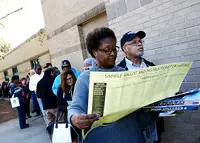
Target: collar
(130,63)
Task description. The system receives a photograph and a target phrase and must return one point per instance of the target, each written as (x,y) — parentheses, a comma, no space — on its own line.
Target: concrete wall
(23,69)
(2,77)
(20,57)
(24,52)
(173,33)
(63,20)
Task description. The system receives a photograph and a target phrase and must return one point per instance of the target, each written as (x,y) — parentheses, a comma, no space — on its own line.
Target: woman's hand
(83,121)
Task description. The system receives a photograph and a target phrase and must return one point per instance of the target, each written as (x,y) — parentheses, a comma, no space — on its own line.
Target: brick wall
(173,35)
(2,77)
(59,12)
(63,20)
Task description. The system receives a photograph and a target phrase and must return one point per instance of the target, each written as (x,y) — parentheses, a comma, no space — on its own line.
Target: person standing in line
(5,89)
(36,108)
(56,71)
(27,96)
(88,63)
(132,46)
(45,93)
(65,96)
(33,87)
(17,91)
(101,44)
(65,66)
(66,90)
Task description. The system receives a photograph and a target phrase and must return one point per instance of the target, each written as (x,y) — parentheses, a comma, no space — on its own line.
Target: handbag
(62,132)
(14,102)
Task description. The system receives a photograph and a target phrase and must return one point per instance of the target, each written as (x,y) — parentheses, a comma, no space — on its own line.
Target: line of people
(40,87)
(66,94)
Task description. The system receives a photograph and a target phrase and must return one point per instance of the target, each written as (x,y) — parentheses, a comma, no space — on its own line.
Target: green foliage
(41,36)
(4,47)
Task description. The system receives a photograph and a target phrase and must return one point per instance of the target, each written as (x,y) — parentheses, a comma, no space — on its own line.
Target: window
(34,62)
(15,71)
(6,76)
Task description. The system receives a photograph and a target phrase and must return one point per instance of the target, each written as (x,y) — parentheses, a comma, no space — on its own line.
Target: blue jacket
(57,81)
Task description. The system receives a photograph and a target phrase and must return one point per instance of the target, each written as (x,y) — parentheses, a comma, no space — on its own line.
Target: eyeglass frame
(108,52)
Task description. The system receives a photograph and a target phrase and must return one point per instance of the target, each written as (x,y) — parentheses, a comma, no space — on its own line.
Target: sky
(21,25)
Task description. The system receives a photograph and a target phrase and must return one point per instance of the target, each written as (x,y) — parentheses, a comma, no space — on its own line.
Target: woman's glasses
(108,52)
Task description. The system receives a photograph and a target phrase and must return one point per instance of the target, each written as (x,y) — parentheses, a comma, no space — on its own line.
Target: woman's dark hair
(94,38)
(48,71)
(14,77)
(23,79)
(64,85)
(56,71)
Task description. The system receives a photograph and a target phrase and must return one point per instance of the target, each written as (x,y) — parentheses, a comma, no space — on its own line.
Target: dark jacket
(44,92)
(27,92)
(123,64)
(62,101)
(159,121)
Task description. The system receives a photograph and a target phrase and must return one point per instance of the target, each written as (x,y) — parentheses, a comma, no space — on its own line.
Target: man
(33,96)
(88,63)
(65,65)
(33,87)
(17,91)
(48,65)
(132,46)
(45,93)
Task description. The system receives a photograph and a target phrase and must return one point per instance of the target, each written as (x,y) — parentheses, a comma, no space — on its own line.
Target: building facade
(173,35)
(22,59)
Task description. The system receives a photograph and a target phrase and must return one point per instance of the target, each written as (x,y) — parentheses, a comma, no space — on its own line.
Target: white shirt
(34,81)
(131,66)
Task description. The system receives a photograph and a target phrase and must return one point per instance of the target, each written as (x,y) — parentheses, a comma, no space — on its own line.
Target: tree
(4,47)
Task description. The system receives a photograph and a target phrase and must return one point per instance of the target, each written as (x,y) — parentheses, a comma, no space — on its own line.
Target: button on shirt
(131,66)
(34,81)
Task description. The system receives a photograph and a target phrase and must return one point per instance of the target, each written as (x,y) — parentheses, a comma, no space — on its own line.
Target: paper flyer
(114,95)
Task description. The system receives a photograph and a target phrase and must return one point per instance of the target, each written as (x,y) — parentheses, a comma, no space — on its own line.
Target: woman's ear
(94,53)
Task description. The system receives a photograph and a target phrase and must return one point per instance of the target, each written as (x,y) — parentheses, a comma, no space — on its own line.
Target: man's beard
(139,54)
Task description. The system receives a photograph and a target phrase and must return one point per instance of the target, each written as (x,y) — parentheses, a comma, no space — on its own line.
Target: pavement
(11,133)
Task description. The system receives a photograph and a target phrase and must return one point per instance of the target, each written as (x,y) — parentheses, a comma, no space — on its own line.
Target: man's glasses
(108,52)
(135,43)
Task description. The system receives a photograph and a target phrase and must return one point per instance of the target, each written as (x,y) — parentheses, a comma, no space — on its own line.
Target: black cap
(130,35)
(47,64)
(65,63)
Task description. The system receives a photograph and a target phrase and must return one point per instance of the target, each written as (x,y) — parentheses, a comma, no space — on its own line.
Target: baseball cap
(130,35)
(65,63)
(47,64)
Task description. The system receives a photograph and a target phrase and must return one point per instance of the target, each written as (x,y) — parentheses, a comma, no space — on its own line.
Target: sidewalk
(36,133)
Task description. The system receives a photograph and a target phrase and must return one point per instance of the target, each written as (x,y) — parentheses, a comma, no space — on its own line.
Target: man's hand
(83,121)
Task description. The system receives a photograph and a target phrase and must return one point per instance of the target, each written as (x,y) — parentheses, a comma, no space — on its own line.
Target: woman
(65,91)
(64,97)
(101,44)
(5,89)
(17,91)
(27,96)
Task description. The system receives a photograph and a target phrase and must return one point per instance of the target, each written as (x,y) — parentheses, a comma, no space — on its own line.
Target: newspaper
(189,100)
(114,95)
